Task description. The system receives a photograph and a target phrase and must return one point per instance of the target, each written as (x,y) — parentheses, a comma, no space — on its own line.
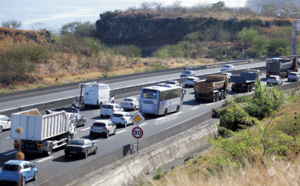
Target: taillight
(121,103)
(110,117)
(91,127)
(40,145)
(112,110)
(105,128)
(101,109)
(122,118)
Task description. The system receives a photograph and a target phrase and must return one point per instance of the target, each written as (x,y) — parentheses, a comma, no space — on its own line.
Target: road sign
(137,118)
(137,132)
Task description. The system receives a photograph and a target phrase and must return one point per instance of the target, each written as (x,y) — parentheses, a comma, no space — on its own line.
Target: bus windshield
(152,94)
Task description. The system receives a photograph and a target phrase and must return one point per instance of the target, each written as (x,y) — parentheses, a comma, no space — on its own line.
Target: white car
(130,103)
(109,108)
(173,83)
(227,74)
(187,73)
(227,67)
(189,82)
(293,76)
(121,118)
(274,80)
(5,123)
(102,127)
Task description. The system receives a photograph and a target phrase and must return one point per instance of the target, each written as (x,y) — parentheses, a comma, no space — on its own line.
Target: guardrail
(218,64)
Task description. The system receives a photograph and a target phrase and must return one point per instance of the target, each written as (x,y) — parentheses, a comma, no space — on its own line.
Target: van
(96,94)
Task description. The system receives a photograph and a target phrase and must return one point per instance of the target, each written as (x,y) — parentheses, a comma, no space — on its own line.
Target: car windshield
(171,82)
(108,106)
(191,79)
(226,66)
(292,73)
(187,72)
(76,142)
(272,77)
(99,124)
(10,167)
(118,115)
(128,99)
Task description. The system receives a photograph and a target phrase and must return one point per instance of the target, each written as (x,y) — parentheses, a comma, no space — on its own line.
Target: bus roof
(162,87)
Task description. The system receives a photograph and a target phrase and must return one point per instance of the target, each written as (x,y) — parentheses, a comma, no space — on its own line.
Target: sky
(52,14)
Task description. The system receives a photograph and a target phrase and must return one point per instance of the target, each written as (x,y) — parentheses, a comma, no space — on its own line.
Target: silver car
(173,83)
(109,108)
(190,81)
(5,123)
(130,103)
(274,80)
(121,118)
(103,127)
(293,76)
(227,67)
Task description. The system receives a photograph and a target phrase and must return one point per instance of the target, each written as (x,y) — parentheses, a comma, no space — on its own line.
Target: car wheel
(49,151)
(107,134)
(134,108)
(166,112)
(125,125)
(114,132)
(35,176)
(85,154)
(177,109)
(100,105)
(1,129)
(23,181)
(96,149)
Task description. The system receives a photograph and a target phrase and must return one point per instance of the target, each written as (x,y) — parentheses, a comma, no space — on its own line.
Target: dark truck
(281,66)
(214,88)
(246,81)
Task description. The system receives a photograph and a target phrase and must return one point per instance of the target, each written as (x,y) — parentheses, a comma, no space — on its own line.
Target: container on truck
(279,67)
(214,88)
(41,133)
(95,94)
(246,81)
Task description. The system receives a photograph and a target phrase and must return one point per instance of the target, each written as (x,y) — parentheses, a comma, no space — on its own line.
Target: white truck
(95,94)
(41,133)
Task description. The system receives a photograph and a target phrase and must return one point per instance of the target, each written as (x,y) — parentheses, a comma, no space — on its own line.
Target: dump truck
(41,133)
(279,67)
(246,81)
(214,88)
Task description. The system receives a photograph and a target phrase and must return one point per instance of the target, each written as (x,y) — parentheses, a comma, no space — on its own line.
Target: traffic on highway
(101,133)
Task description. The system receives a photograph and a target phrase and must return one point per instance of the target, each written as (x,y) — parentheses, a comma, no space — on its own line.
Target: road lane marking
(7,137)
(209,103)
(161,118)
(85,129)
(121,131)
(9,153)
(44,159)
(194,108)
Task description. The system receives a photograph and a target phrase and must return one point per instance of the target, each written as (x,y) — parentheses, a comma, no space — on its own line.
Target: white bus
(161,99)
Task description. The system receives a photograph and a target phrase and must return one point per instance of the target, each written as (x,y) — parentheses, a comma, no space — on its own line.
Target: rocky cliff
(150,31)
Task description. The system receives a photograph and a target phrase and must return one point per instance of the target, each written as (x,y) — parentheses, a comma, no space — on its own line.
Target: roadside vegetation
(29,60)
(258,144)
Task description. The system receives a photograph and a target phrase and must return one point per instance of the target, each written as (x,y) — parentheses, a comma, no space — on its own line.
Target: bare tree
(12,24)
(145,6)
(158,5)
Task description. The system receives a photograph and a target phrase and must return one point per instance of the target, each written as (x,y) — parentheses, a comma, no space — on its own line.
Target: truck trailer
(41,133)
(279,67)
(246,81)
(214,88)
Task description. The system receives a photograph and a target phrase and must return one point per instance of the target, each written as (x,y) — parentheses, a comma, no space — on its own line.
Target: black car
(81,147)
(80,120)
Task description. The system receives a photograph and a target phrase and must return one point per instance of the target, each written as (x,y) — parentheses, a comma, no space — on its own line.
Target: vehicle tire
(66,155)
(69,139)
(23,181)
(134,108)
(1,129)
(113,101)
(107,134)
(177,109)
(166,112)
(100,105)
(49,151)
(225,95)
(101,116)
(214,97)
(85,154)
(96,149)
(114,132)
(35,177)
(221,95)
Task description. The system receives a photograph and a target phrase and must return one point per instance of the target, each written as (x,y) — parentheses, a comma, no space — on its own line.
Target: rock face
(150,31)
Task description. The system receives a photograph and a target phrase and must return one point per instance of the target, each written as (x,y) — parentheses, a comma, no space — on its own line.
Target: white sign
(137,118)
(137,132)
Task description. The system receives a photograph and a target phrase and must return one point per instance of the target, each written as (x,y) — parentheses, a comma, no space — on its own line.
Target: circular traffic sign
(137,132)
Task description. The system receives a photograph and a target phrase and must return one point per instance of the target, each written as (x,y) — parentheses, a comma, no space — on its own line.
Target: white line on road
(209,103)
(7,137)
(85,129)
(194,108)
(44,159)
(121,131)
(160,118)
(9,153)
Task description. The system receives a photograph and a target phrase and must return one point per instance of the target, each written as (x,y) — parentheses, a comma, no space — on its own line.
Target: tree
(145,6)
(247,35)
(12,24)
(158,5)
(79,29)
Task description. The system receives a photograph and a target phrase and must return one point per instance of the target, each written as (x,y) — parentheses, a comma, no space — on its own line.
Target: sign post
(137,132)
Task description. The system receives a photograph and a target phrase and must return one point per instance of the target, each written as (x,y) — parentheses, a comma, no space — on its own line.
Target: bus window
(152,94)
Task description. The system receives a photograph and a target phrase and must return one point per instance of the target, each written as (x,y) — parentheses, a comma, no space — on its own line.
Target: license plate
(73,152)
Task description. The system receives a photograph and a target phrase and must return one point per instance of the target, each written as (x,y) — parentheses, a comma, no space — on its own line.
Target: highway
(56,164)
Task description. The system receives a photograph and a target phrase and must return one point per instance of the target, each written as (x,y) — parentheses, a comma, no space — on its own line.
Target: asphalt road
(54,165)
